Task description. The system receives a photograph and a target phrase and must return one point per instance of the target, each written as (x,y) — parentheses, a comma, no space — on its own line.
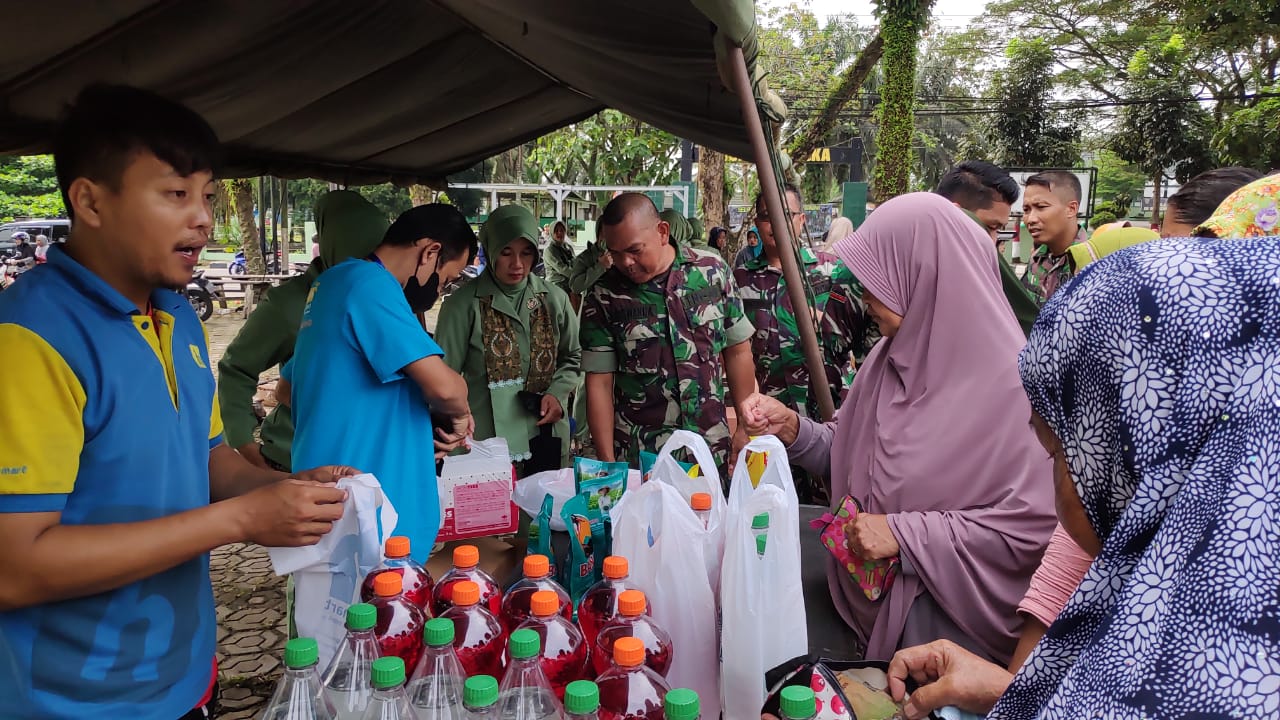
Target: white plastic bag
(327,575)
(764,620)
(655,529)
(560,485)
(667,470)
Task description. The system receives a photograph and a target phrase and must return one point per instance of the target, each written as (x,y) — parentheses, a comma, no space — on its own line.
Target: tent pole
(781,232)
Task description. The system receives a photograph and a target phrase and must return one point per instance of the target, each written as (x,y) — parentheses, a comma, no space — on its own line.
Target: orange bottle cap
(387,584)
(631,602)
(628,651)
(615,566)
(466,593)
(536,565)
(544,603)
(466,556)
(700,501)
(397,546)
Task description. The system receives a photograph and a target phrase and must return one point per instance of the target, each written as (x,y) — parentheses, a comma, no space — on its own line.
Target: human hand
(290,513)
(606,260)
(870,538)
(252,452)
(460,428)
(552,410)
(948,675)
(325,474)
(763,415)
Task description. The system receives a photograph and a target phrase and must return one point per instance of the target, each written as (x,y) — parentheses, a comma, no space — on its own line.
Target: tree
(1118,181)
(242,192)
(29,188)
(608,148)
(711,187)
(1250,136)
(1026,131)
(901,22)
(1160,129)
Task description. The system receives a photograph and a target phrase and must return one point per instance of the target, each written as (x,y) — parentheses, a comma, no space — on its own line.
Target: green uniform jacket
(349,226)
(558,258)
(458,333)
(1025,307)
(586,268)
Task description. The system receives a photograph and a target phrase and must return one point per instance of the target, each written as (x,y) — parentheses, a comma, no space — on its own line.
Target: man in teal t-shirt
(365,377)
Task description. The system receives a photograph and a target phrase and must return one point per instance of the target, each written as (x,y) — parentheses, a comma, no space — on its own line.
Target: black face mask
(422,297)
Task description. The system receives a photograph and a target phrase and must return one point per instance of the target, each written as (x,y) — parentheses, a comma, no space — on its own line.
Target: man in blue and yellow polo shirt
(114,482)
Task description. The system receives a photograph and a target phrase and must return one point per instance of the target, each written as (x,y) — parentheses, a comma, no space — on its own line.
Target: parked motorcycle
(202,293)
(238,266)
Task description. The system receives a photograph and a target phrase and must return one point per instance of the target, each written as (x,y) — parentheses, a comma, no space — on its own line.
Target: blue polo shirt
(353,404)
(108,416)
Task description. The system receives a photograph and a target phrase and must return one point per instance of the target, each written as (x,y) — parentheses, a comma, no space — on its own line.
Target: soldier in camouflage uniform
(663,332)
(845,329)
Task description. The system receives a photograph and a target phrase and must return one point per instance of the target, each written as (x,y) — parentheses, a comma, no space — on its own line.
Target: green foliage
(29,188)
(1107,207)
(1158,130)
(901,22)
(1100,218)
(608,148)
(1118,179)
(1250,136)
(1026,131)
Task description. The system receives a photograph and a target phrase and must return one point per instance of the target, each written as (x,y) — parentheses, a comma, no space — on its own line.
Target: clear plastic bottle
(629,690)
(389,701)
(299,694)
(582,701)
(417,581)
(466,567)
(633,622)
(478,637)
(599,603)
(435,690)
(480,694)
(400,622)
(798,703)
(525,693)
(565,654)
(537,576)
(347,679)
(682,704)
(701,504)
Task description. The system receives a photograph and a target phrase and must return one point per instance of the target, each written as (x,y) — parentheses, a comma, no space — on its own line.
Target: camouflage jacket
(662,341)
(1047,272)
(844,328)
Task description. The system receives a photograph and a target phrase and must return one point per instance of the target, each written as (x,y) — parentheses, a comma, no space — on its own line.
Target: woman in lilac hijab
(934,439)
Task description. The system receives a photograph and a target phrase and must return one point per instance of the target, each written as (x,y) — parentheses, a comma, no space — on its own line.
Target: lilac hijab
(935,432)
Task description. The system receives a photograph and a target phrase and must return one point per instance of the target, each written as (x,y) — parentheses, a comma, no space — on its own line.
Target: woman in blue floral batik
(1155,378)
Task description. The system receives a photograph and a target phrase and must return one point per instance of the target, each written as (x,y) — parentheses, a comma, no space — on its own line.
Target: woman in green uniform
(514,337)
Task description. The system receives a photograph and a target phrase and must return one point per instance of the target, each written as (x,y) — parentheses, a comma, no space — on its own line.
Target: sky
(949,13)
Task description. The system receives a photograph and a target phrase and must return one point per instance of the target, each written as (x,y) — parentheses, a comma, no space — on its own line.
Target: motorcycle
(202,294)
(238,265)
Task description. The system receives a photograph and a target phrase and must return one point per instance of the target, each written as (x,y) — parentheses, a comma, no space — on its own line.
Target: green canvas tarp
(378,90)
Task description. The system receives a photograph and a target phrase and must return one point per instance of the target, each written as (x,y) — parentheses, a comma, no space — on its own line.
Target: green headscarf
(1104,242)
(699,232)
(349,227)
(681,233)
(504,226)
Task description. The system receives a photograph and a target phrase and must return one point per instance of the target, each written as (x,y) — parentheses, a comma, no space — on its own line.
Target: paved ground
(249,598)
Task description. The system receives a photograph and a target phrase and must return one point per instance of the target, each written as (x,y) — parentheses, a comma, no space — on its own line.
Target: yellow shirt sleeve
(42,413)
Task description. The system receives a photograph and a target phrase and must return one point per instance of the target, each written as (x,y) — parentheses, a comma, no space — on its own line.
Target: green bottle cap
(525,644)
(361,616)
(388,672)
(480,691)
(581,697)
(682,704)
(439,632)
(300,653)
(798,703)
(760,522)
(760,543)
